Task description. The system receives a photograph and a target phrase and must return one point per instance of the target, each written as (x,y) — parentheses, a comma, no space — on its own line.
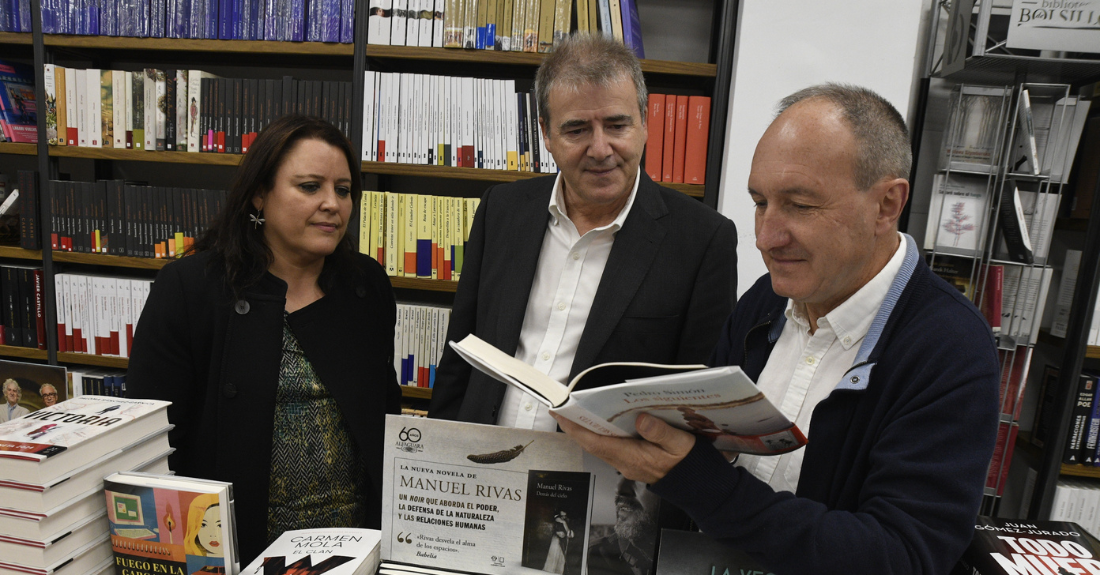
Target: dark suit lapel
(630,259)
(526,229)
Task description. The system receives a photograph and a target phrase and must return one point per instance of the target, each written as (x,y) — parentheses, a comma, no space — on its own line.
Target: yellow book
(399,217)
(106,103)
(456,237)
(519,18)
(374,250)
(563,19)
(482,16)
(391,233)
(504,30)
(452,24)
(437,237)
(616,19)
(409,215)
(531,27)
(364,223)
(546,25)
(180,244)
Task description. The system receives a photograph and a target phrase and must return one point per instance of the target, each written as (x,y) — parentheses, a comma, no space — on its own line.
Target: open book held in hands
(720,404)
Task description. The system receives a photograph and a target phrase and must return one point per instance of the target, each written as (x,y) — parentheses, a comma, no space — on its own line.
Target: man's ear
(893,194)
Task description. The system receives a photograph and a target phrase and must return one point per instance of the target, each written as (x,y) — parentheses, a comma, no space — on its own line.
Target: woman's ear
(258,202)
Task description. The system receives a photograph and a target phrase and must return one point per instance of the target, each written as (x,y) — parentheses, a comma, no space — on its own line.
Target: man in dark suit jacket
(666,285)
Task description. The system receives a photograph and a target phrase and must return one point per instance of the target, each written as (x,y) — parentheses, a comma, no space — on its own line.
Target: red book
(381,151)
(698,129)
(467,156)
(655,120)
(992,296)
(72,135)
(669,138)
(680,147)
(221,142)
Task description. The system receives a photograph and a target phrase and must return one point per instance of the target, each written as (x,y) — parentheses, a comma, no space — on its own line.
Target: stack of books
(53,516)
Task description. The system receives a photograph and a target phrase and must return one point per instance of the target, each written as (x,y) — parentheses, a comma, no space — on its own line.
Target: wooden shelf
(1093,352)
(113,261)
(18,149)
(144,156)
(23,352)
(20,253)
(16,38)
(423,284)
(191,45)
(1081,471)
(416,392)
(524,59)
(396,169)
(93,360)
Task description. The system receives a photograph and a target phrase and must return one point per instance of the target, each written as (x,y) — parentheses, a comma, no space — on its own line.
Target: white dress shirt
(803,369)
(568,274)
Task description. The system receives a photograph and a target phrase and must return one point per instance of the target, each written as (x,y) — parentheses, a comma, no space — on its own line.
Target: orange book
(669,138)
(698,129)
(681,140)
(655,120)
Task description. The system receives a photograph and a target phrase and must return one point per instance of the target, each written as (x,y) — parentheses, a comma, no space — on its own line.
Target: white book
(160,114)
(360,547)
(958,214)
(424,39)
(437,23)
(150,86)
(395,136)
(70,313)
(72,105)
(510,121)
(411,110)
(398,22)
(379,22)
(369,134)
(1065,148)
(93,112)
(194,109)
(1066,288)
(451,94)
(397,342)
(433,341)
(719,403)
(1024,296)
(467,110)
(182,89)
(128,107)
(1027,133)
(412,24)
(125,318)
(118,105)
(50,84)
(62,311)
(500,105)
(114,314)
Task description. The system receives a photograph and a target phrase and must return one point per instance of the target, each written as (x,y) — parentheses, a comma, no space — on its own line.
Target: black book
(9,287)
(26,300)
(127,220)
(522,120)
(101,230)
(221,114)
(5,310)
(301,98)
(533,118)
(146,195)
(29,233)
(170,110)
(177,219)
(1014,227)
(236,116)
(326,102)
(1079,419)
(53,191)
(342,108)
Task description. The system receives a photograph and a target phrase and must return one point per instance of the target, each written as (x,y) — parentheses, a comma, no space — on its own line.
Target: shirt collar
(558,211)
(851,319)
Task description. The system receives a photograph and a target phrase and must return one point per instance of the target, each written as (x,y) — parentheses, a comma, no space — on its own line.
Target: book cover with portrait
(171,525)
(555,529)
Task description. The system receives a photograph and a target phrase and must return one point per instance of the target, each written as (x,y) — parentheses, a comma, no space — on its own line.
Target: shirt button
(561,306)
(527,407)
(809,361)
(847,341)
(576,256)
(545,356)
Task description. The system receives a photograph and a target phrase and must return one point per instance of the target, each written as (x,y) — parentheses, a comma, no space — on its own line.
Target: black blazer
(217,360)
(669,283)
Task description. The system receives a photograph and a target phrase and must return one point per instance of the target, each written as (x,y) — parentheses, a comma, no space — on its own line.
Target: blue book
(270,18)
(347,21)
(330,20)
(313,20)
(296,19)
(93,17)
(491,37)
(24,13)
(210,29)
(632,27)
(157,14)
(223,19)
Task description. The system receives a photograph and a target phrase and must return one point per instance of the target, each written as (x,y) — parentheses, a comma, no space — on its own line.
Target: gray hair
(584,59)
(45,385)
(882,139)
(12,383)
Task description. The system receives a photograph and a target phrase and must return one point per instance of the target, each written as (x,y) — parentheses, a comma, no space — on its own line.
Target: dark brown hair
(238,244)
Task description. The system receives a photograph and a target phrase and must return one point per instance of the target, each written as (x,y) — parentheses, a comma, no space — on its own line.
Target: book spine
(1082,408)
(698,130)
(680,147)
(655,120)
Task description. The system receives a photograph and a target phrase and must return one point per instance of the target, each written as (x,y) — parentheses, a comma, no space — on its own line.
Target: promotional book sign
(486,499)
(1064,25)
(1011,546)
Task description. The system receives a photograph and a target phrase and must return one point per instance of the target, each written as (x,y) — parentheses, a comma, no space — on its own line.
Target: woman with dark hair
(274,342)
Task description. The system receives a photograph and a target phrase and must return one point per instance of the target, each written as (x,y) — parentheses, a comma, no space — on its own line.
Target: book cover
(679,147)
(1011,546)
(17,102)
(55,440)
(555,526)
(51,103)
(669,138)
(1030,149)
(974,127)
(992,296)
(720,405)
(1079,418)
(107,108)
(170,524)
(1014,228)
(957,214)
(1064,301)
(455,497)
(1025,295)
(331,551)
(632,27)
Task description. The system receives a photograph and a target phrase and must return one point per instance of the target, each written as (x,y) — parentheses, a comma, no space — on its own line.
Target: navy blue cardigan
(894,471)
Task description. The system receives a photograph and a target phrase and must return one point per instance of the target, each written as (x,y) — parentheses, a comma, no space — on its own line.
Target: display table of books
(53,516)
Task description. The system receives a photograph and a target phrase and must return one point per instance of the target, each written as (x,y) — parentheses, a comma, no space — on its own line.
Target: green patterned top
(317,476)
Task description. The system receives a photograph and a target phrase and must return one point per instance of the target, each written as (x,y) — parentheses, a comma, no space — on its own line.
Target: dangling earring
(257,218)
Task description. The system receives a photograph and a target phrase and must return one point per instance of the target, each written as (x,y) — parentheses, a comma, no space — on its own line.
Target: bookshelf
(271,59)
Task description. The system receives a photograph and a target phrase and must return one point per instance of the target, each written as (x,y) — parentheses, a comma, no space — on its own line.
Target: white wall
(786,45)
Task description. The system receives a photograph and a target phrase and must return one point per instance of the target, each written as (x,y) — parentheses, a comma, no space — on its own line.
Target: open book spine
(1027,125)
(575,412)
